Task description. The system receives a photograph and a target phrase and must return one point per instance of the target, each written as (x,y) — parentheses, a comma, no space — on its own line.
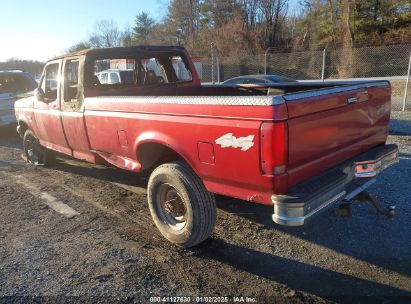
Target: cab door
(72,108)
(47,110)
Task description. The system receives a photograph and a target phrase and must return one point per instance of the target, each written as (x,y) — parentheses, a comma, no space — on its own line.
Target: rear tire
(180,205)
(35,153)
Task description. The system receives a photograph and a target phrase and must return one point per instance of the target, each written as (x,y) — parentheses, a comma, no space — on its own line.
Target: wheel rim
(171,206)
(33,151)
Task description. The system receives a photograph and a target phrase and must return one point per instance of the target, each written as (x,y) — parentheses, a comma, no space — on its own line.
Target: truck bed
(325,126)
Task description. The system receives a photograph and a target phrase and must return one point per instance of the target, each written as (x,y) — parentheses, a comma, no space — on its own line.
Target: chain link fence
(218,69)
(366,63)
(378,61)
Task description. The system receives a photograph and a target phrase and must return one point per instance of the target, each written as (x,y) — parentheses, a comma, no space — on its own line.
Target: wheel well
(151,155)
(23,127)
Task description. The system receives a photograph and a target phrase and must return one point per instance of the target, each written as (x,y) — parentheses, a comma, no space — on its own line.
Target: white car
(13,85)
(114,76)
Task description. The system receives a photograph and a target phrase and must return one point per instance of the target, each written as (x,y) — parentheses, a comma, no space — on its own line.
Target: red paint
(292,141)
(274,148)
(206,153)
(319,139)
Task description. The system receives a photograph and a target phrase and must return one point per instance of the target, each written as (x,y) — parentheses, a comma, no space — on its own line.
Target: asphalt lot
(106,248)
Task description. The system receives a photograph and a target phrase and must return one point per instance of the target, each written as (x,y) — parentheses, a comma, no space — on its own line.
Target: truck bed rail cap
(193,100)
(325,91)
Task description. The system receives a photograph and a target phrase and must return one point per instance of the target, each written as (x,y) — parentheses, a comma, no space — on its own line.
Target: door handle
(351,100)
(362,96)
(359,97)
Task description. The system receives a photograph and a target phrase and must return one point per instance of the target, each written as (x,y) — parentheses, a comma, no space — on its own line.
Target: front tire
(180,205)
(35,153)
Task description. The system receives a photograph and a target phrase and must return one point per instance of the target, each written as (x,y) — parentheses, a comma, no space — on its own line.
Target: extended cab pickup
(295,146)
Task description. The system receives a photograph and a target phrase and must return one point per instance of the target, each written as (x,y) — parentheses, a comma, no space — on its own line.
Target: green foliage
(240,27)
(142,26)
(370,22)
(216,13)
(319,23)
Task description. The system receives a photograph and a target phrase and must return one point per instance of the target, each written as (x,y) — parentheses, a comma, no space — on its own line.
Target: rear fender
(164,140)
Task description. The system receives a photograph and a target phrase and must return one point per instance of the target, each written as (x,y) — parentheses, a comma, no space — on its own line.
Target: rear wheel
(35,153)
(180,205)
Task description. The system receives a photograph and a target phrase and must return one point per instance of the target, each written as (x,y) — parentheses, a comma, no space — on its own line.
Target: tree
(243,27)
(82,45)
(33,67)
(216,13)
(250,10)
(182,21)
(318,23)
(127,36)
(272,12)
(142,26)
(106,34)
(348,23)
(346,33)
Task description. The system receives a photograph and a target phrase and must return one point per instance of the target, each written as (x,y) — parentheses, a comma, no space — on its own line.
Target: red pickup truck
(295,146)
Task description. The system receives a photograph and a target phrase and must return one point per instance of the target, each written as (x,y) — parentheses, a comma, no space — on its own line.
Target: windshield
(16,84)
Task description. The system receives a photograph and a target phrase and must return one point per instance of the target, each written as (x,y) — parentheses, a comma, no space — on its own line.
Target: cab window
(139,71)
(152,72)
(71,80)
(180,69)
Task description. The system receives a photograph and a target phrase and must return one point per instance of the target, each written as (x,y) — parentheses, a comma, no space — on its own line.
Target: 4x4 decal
(228,140)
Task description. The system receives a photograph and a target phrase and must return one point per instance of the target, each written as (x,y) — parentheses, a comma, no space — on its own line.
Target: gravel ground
(397,103)
(111,251)
(400,122)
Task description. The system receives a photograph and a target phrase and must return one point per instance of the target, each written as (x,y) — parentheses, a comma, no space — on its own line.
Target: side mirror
(39,94)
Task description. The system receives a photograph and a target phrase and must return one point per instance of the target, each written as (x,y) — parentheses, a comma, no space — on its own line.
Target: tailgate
(329,126)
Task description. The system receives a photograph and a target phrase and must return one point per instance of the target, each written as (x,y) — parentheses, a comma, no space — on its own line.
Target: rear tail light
(274,148)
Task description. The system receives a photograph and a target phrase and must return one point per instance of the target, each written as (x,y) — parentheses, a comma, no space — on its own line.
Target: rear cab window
(137,71)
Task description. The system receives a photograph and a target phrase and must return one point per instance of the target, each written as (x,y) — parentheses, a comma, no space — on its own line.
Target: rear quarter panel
(234,172)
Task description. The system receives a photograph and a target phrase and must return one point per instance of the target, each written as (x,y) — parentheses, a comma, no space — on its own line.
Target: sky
(42,29)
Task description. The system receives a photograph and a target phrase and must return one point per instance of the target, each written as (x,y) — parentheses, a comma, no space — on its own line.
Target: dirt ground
(108,249)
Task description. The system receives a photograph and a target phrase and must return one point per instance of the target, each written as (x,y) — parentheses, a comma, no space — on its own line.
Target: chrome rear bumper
(343,182)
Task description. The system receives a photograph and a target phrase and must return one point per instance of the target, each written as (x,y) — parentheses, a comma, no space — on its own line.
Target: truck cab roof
(141,49)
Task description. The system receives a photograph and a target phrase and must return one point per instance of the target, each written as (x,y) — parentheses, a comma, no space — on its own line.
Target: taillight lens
(274,148)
